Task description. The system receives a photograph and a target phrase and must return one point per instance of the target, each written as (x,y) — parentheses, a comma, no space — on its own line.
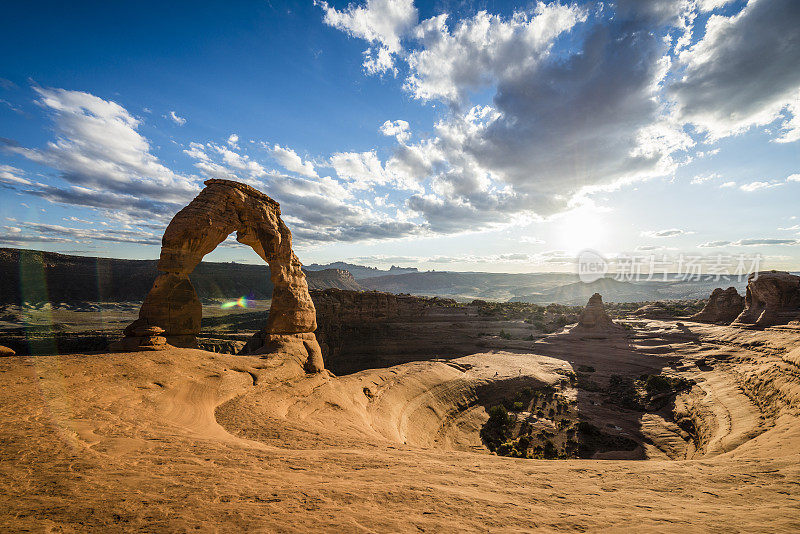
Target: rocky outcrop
(594,317)
(772,298)
(220,209)
(142,338)
(723,306)
(5,351)
(371,306)
(367,329)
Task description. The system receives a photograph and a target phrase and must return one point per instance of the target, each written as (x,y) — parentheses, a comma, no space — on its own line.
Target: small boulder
(5,351)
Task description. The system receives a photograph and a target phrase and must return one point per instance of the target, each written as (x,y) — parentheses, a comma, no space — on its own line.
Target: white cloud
(383,23)
(233,141)
(397,129)
(703,178)
(97,146)
(483,49)
(711,5)
(289,160)
(727,184)
(363,169)
(756,186)
(12,175)
(670,232)
(180,121)
(751,242)
(743,72)
(793,178)
(714,244)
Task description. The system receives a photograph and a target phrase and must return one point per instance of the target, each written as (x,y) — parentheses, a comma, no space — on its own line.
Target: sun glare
(580,229)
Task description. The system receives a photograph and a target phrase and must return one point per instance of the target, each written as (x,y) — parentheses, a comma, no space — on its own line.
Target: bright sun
(580,229)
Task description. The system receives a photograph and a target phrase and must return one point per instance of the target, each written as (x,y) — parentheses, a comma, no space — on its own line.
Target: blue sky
(499,136)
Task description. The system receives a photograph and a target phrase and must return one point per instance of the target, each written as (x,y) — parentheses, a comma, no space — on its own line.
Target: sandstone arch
(220,209)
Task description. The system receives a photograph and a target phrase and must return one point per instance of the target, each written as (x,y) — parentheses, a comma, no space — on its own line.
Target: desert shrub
(622,391)
(498,415)
(584,382)
(655,384)
(497,430)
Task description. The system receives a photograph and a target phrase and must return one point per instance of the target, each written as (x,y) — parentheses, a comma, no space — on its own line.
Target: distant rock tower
(594,317)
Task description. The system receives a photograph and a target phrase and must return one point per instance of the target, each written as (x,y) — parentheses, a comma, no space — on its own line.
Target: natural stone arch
(220,209)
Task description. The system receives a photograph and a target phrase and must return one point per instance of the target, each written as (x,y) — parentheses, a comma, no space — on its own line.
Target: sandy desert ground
(188,440)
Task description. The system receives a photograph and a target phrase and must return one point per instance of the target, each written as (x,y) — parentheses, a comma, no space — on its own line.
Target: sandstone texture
(220,209)
(594,317)
(772,298)
(723,306)
(5,351)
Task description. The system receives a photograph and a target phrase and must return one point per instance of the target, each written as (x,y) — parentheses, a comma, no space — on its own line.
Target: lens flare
(240,302)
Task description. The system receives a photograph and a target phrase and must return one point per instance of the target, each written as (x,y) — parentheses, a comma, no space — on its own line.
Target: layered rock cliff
(772,298)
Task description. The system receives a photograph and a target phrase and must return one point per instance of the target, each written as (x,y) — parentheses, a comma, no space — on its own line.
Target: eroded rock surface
(220,209)
(723,306)
(772,298)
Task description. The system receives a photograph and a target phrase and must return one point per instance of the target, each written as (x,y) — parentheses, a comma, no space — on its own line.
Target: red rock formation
(594,317)
(220,209)
(772,298)
(723,306)
(5,351)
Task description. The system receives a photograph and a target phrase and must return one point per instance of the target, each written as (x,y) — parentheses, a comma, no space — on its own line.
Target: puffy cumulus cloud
(233,141)
(612,104)
(397,129)
(363,170)
(482,49)
(670,232)
(793,178)
(743,72)
(180,121)
(383,23)
(319,209)
(711,5)
(98,146)
(289,160)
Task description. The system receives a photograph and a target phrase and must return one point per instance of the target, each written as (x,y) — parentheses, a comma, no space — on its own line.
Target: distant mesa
(594,318)
(723,306)
(772,298)
(172,304)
